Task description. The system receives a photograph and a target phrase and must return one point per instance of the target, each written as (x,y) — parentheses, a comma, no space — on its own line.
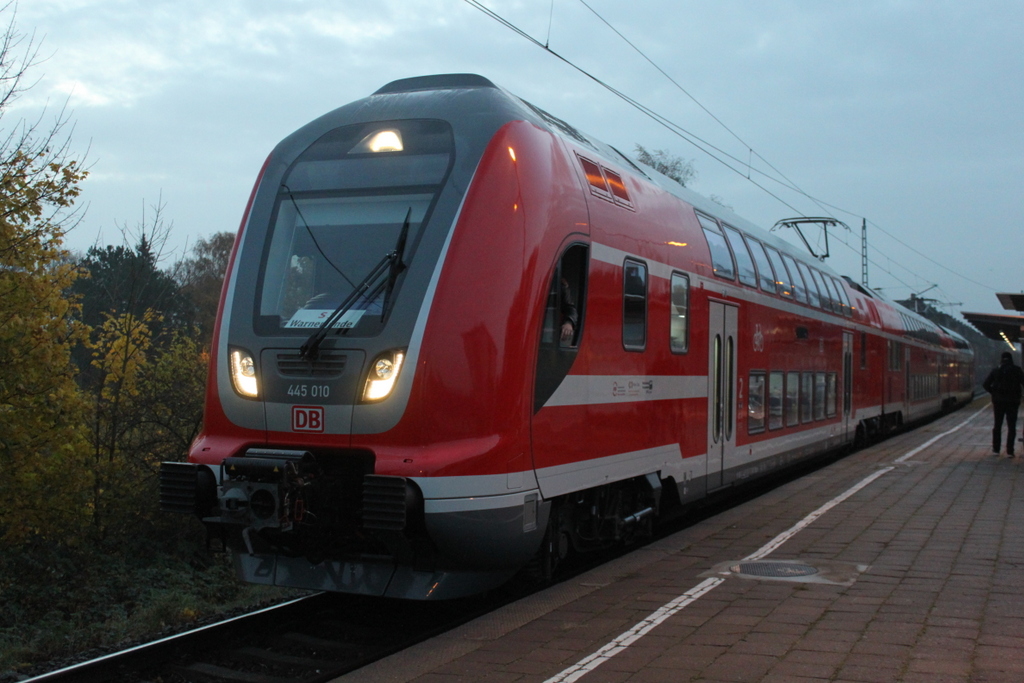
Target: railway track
(311,639)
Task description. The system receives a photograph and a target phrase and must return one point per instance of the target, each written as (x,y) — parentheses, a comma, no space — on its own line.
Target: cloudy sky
(906,112)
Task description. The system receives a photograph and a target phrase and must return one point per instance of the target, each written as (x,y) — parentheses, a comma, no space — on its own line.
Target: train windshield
(339,213)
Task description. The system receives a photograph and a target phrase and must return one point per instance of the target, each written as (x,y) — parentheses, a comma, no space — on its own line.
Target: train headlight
(382,376)
(243,373)
(388,140)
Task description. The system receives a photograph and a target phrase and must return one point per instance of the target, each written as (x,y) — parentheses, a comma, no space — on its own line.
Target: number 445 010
(309,390)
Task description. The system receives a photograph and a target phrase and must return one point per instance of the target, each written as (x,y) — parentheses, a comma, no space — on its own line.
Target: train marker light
(387,140)
(512,153)
(243,373)
(383,374)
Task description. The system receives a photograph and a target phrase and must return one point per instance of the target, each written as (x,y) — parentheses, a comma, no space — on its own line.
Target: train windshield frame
(339,211)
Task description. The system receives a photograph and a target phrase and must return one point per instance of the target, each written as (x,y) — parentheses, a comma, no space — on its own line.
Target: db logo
(307,418)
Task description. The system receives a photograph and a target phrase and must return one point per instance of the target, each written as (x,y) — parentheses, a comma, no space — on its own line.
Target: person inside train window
(570,314)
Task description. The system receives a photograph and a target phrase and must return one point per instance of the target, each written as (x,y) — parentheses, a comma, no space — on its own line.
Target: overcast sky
(908,113)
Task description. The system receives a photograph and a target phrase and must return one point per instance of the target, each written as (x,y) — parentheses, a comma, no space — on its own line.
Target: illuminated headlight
(243,373)
(383,373)
(388,140)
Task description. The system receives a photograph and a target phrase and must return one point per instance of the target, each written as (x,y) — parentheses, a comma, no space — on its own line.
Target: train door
(847,382)
(721,391)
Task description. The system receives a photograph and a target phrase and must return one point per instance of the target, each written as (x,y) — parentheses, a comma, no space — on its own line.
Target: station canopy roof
(1011,301)
(996,326)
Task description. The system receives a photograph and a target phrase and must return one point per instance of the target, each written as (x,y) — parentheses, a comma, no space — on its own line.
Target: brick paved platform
(920,579)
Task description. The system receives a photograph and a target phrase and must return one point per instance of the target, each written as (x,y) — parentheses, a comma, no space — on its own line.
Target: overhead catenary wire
(703,145)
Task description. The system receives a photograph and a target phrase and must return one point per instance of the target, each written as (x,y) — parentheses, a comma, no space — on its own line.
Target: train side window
(782,278)
(679,324)
(844,299)
(618,187)
(562,326)
(895,354)
(825,300)
(765,275)
(792,399)
(835,305)
(755,403)
(595,179)
(744,262)
(819,396)
(775,385)
(799,289)
(721,257)
(806,396)
(812,287)
(634,305)
(830,394)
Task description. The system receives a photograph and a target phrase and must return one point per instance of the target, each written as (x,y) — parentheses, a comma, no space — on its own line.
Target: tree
(201,277)
(668,164)
(127,278)
(42,446)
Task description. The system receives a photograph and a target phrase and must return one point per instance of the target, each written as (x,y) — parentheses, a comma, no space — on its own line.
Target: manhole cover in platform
(774,570)
(799,571)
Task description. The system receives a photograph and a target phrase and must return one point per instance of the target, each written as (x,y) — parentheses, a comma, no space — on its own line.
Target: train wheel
(553,550)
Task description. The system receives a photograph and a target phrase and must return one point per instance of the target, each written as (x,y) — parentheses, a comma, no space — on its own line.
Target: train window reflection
(721,257)
(765,275)
(755,403)
(792,399)
(782,279)
(775,386)
(799,290)
(680,313)
(744,262)
(819,396)
(634,305)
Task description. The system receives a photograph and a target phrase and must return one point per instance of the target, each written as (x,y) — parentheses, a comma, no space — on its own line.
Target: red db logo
(307,418)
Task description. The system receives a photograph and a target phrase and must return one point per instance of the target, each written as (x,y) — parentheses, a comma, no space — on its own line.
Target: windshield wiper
(392,263)
(397,264)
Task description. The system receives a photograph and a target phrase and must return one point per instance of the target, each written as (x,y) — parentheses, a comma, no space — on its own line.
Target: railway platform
(901,562)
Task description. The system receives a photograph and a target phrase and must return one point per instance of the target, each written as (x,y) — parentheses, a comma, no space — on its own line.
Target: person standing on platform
(1005,383)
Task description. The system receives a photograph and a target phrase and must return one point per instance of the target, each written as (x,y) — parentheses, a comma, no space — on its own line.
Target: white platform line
(641,628)
(926,444)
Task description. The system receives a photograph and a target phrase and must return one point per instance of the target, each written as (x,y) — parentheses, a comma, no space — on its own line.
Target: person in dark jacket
(1005,383)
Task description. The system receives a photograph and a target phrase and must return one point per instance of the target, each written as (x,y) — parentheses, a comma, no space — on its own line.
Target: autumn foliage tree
(41,411)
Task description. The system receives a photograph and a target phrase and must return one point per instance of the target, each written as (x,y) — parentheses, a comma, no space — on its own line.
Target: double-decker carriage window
(831,394)
(833,299)
(844,299)
(755,403)
(799,289)
(792,399)
(634,305)
(765,274)
(819,396)
(806,396)
(343,206)
(813,294)
(824,298)
(679,310)
(562,326)
(775,388)
(744,262)
(781,277)
(721,257)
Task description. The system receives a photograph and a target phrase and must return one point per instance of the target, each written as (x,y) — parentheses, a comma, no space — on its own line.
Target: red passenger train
(458,336)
